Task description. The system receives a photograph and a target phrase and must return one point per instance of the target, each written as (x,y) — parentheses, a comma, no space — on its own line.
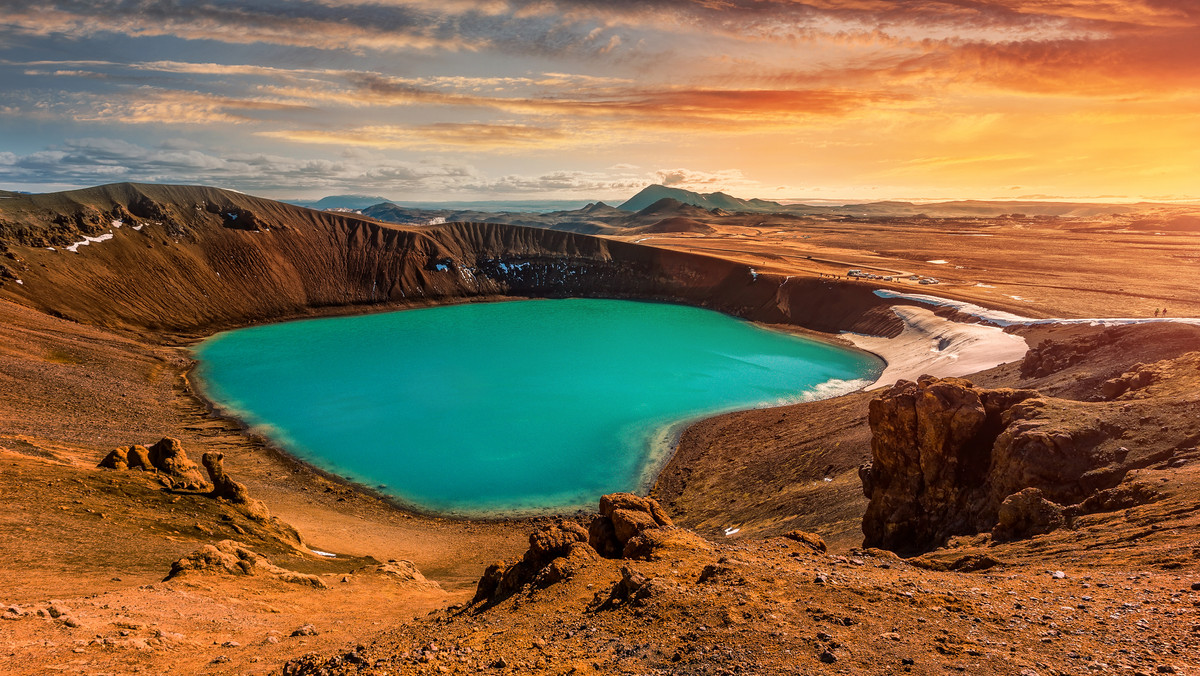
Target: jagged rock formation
(234,558)
(177,472)
(623,516)
(555,553)
(628,526)
(223,486)
(949,459)
(166,457)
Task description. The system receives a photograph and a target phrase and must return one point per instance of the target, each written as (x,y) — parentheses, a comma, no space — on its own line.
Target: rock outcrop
(949,459)
(555,553)
(628,526)
(622,517)
(229,557)
(166,457)
(1025,514)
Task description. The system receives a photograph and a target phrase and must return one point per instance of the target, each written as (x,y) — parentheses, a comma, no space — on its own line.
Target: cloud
(434,136)
(88,161)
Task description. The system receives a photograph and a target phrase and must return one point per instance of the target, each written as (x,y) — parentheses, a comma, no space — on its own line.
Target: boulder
(810,540)
(603,537)
(169,458)
(550,542)
(138,457)
(652,544)
(622,517)
(115,460)
(223,486)
(628,523)
(628,501)
(400,571)
(1027,513)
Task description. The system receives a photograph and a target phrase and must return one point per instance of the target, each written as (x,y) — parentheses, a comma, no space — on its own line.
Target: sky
(595,99)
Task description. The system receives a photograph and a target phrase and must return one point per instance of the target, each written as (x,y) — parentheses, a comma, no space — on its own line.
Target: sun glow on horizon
(508,99)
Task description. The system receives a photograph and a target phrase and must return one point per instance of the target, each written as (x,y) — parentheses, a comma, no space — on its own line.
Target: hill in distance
(713,200)
(339,202)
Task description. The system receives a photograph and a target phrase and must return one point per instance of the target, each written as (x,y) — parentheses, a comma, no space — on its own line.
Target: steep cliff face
(189,259)
(949,458)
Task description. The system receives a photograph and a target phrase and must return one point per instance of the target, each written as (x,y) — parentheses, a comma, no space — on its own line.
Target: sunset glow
(506,99)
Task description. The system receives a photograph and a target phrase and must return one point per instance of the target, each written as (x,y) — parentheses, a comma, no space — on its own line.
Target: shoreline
(663,439)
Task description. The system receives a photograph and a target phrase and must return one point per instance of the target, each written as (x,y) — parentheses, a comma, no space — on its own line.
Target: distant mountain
(340,202)
(713,200)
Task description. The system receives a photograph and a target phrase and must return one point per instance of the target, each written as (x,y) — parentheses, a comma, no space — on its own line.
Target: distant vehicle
(914,277)
(929,280)
(855,273)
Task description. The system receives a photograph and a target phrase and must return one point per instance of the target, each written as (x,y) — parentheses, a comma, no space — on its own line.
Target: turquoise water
(508,407)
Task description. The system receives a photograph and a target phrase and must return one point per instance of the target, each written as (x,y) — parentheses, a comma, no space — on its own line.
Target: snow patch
(940,347)
(1002,318)
(118,223)
(21,282)
(938,262)
(732,531)
(139,227)
(325,554)
(74,248)
(439,220)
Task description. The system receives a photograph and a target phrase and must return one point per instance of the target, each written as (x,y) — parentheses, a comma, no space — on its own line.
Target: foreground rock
(628,526)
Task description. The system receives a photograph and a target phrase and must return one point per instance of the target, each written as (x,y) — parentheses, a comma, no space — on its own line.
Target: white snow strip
(21,282)
(139,227)
(938,262)
(933,345)
(732,531)
(74,248)
(1001,318)
(118,223)
(50,248)
(325,554)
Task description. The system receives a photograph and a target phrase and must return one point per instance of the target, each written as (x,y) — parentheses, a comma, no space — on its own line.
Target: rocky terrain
(1037,517)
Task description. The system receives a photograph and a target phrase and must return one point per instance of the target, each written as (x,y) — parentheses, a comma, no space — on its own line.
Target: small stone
(272,639)
(70,621)
(1196,586)
(57,611)
(1058,575)
(908,661)
(890,635)
(827,657)
(305,630)
(500,664)
(230,644)
(1166,669)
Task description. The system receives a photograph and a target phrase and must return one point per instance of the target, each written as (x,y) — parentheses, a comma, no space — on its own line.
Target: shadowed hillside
(184,258)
